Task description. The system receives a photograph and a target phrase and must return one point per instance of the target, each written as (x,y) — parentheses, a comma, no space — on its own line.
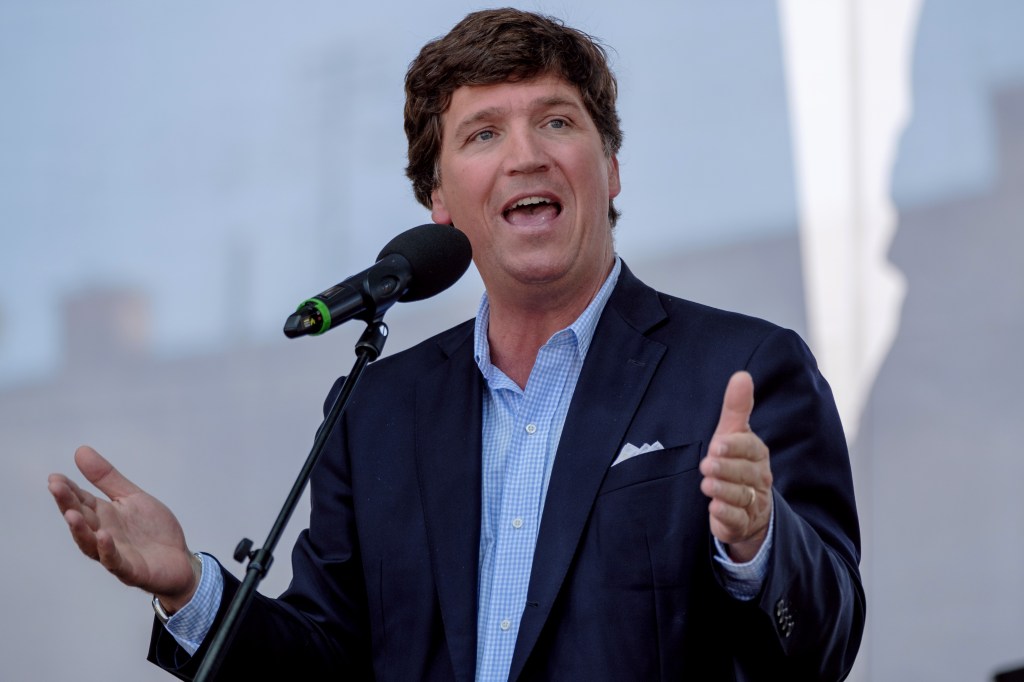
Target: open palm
(133,535)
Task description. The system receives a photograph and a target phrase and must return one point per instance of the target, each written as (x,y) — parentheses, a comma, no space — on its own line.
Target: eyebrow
(494,112)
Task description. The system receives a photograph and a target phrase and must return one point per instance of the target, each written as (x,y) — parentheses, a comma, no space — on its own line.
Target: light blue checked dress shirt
(521,430)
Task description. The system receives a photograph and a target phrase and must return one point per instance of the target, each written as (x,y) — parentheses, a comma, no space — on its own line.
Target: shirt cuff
(744,581)
(190,625)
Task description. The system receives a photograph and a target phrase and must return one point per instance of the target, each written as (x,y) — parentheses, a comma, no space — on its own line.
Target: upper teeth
(530,201)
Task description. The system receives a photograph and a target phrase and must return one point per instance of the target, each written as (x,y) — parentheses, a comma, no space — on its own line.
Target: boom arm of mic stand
(368,349)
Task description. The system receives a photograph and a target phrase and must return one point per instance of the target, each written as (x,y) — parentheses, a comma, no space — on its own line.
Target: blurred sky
(230,159)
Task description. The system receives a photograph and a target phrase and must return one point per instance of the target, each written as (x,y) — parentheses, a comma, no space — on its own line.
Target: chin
(541,273)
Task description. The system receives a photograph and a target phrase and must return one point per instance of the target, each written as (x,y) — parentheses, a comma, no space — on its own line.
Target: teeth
(530,201)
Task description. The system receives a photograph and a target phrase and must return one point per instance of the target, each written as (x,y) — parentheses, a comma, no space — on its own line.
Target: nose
(525,153)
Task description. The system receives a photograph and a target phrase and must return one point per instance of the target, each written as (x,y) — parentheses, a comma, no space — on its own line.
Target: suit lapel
(614,378)
(448,444)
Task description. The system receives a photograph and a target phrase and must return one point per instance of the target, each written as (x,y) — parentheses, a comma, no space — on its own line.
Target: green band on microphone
(325,313)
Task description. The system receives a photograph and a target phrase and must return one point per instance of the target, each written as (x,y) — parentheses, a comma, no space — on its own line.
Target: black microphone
(416,264)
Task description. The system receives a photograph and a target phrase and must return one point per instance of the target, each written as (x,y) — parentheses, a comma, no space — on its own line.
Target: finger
(109,556)
(730,469)
(63,493)
(69,497)
(739,446)
(102,474)
(85,498)
(734,518)
(728,523)
(82,534)
(737,405)
(739,496)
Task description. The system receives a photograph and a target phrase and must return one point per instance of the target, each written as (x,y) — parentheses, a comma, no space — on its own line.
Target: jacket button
(783,618)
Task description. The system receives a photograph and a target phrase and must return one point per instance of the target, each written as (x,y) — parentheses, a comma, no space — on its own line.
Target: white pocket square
(629,451)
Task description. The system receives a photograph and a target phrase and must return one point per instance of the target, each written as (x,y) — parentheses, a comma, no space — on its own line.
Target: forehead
(470,102)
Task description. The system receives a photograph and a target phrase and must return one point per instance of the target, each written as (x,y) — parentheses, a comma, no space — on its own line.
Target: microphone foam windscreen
(438,255)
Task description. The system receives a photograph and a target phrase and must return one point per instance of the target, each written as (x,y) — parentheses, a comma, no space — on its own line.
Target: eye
(558,123)
(484,135)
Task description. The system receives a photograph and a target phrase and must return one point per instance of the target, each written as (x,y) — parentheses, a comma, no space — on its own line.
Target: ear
(614,187)
(438,212)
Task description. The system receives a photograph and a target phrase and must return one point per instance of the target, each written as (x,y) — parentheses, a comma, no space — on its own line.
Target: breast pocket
(651,466)
(649,523)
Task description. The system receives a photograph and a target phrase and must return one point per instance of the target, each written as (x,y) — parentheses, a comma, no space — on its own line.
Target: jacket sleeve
(808,620)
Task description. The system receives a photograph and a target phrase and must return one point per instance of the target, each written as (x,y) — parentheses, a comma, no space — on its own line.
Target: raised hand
(133,535)
(737,475)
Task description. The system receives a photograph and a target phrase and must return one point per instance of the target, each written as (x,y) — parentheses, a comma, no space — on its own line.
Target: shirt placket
(518,519)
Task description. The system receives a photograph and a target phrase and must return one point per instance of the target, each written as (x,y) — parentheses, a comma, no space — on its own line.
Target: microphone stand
(367,349)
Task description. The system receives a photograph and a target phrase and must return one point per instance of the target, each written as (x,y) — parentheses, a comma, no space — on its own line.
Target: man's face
(525,177)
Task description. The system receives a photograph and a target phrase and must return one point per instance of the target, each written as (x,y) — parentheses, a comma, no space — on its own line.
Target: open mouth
(532,210)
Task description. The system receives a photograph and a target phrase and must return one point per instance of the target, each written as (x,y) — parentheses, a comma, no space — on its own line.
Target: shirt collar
(582,330)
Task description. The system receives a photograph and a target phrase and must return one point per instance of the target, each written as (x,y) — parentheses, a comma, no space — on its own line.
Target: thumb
(102,473)
(737,404)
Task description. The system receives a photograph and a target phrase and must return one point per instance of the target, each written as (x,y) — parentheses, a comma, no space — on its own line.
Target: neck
(521,324)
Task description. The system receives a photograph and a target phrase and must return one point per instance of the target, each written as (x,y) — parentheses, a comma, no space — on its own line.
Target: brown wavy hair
(498,46)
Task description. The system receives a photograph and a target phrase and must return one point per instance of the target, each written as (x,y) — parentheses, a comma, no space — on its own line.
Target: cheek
(471,196)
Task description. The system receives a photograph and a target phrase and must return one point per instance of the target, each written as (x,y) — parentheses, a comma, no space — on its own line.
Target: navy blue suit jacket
(623,585)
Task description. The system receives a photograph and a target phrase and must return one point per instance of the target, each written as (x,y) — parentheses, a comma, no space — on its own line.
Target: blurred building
(938,458)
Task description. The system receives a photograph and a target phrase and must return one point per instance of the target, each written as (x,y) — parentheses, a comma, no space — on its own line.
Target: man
(534,504)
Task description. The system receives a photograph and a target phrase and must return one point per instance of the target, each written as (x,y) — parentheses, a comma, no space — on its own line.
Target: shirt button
(517,523)
(531,428)
(506,624)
